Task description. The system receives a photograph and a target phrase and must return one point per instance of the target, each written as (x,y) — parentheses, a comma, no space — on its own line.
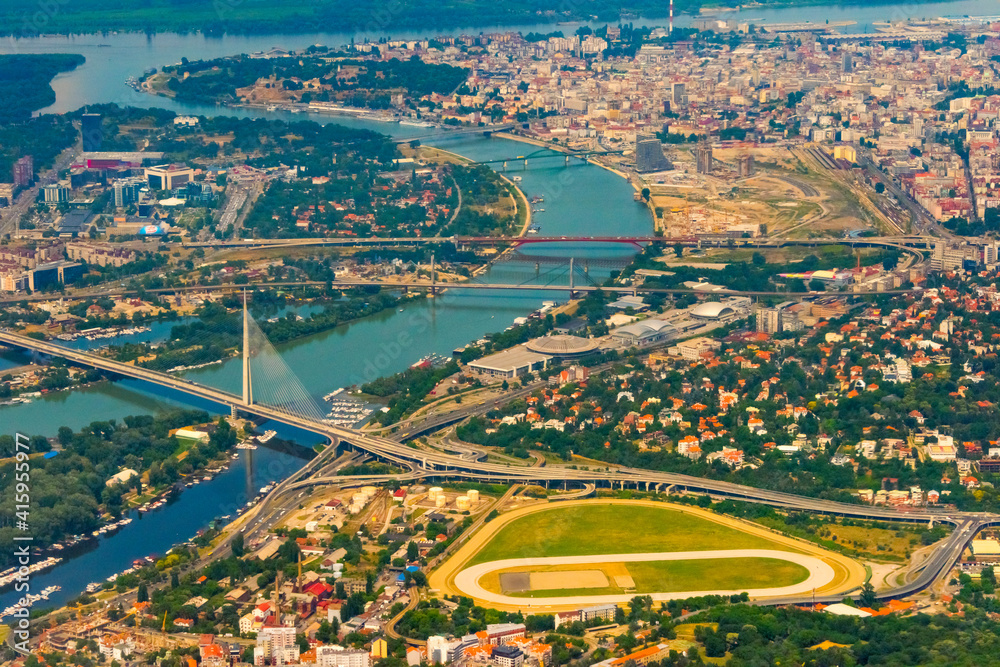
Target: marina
(29,601)
(11,574)
(103,334)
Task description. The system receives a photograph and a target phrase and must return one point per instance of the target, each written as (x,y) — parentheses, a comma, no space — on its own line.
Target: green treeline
(43,138)
(211,81)
(218,331)
(24,82)
(286,16)
(68,494)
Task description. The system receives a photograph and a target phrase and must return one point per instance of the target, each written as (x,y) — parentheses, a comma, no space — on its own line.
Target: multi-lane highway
(419,463)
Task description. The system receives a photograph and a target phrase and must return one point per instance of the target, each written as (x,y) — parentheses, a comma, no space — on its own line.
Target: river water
(580,200)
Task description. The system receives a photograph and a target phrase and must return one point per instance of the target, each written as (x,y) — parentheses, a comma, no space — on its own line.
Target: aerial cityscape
(523,334)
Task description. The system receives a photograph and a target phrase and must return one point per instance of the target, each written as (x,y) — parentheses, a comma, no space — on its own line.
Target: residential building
(506,655)
(24,172)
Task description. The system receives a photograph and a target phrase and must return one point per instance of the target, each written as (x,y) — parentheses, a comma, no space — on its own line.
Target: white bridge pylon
(267,380)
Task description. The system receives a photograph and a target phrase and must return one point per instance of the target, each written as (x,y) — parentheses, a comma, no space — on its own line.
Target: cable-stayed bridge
(271,391)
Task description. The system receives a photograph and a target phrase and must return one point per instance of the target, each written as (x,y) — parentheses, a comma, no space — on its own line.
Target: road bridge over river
(430,464)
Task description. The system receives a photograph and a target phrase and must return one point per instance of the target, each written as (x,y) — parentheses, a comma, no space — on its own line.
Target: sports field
(610,527)
(593,551)
(645,577)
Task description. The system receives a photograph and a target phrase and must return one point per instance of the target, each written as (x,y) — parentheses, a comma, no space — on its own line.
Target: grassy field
(607,529)
(707,574)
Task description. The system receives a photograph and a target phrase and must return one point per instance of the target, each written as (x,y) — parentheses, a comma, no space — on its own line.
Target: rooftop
(561,345)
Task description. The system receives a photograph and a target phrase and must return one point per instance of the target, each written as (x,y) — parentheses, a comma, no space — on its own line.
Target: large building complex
(168,176)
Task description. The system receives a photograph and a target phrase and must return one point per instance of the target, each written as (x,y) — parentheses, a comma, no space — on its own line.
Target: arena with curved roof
(712,310)
(645,332)
(562,346)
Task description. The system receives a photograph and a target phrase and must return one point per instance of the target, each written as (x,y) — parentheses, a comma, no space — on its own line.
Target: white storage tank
(440,501)
(473,495)
(435,492)
(369,491)
(358,499)
(462,502)
(338,567)
(338,574)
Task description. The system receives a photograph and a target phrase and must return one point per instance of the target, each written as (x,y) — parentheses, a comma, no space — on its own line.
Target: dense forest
(24,82)
(43,138)
(342,79)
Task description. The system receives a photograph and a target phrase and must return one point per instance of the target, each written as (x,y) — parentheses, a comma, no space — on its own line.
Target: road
(421,463)
(924,222)
(26,200)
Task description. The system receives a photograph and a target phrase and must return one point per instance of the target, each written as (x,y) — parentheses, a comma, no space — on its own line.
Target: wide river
(580,200)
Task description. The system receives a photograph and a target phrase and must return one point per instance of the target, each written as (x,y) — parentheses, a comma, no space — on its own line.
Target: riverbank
(637,187)
(520,193)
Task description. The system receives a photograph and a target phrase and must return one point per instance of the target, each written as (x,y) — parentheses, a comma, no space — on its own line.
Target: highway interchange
(439,465)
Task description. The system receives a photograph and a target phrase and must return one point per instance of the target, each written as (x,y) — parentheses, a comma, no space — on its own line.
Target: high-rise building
(277,645)
(91,132)
(24,172)
(848,63)
(703,155)
(649,154)
(678,93)
(127,191)
(777,319)
(744,165)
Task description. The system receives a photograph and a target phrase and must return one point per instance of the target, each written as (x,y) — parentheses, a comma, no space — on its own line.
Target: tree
(237,545)
(867,597)
(759,259)
(645,194)
(880,187)
(412,551)
(678,249)
(142,594)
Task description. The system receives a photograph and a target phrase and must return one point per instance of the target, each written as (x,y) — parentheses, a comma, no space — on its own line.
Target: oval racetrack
(467,580)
